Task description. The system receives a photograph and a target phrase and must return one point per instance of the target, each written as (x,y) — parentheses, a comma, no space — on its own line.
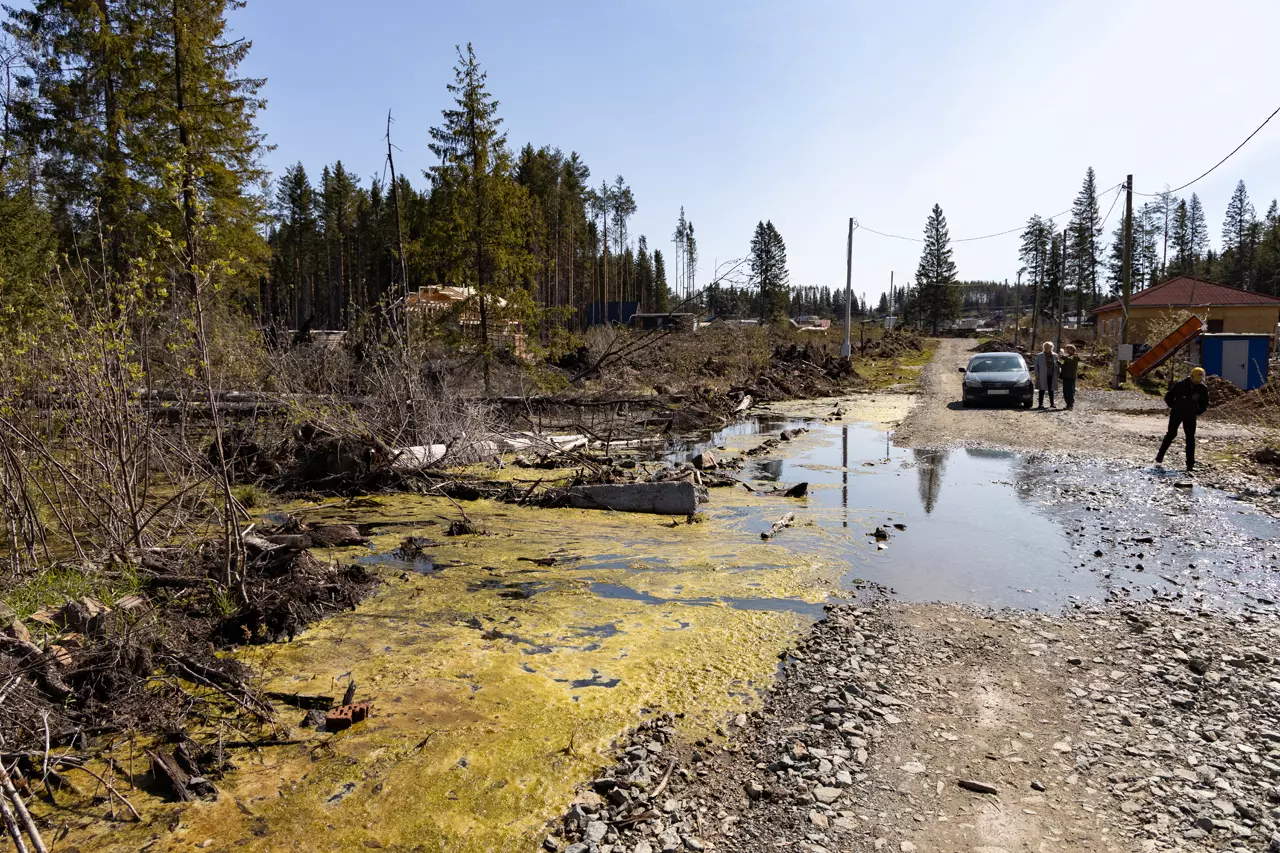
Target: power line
(1117,188)
(862,227)
(1215,165)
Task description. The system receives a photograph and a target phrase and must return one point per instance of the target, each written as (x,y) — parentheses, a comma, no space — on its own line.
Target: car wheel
(1027,404)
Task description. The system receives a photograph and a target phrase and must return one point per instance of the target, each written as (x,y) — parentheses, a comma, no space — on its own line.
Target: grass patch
(900,372)
(57,585)
(250,496)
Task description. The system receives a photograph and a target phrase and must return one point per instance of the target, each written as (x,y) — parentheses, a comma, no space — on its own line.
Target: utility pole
(1126,273)
(846,349)
(1017,301)
(1062,288)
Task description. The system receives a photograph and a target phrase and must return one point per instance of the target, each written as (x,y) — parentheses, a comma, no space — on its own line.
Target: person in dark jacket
(1069,367)
(1187,400)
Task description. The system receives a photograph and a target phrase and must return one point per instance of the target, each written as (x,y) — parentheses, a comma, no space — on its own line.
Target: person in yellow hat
(1187,400)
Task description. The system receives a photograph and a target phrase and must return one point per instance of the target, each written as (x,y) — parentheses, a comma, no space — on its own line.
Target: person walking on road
(1069,366)
(1047,373)
(1187,400)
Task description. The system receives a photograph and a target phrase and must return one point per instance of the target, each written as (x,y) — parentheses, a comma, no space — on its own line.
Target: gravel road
(1111,424)
(937,728)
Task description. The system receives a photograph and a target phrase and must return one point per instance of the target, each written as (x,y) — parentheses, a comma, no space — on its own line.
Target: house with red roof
(1223,309)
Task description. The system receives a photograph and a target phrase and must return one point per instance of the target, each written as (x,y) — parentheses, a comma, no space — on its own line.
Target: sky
(803,113)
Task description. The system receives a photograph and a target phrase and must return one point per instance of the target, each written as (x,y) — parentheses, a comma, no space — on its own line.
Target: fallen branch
(23,816)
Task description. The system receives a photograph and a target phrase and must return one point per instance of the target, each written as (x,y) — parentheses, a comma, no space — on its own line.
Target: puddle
(998,528)
(500,677)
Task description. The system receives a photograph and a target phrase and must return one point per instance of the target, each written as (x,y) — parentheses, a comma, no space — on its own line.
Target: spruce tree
(1269,252)
(474,174)
(768,259)
(1197,235)
(1238,237)
(661,292)
(1180,238)
(939,299)
(129,102)
(644,274)
(1083,230)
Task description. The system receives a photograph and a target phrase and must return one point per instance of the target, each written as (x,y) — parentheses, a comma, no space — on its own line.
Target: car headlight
(1024,383)
(972,382)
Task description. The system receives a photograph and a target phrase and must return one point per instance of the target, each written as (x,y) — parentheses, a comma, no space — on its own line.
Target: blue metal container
(1239,359)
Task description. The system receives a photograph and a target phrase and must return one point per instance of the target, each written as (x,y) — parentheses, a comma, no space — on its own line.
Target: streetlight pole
(846,349)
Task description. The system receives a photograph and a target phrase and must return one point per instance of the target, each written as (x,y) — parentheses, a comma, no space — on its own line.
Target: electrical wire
(1109,189)
(1118,187)
(1215,165)
(1022,227)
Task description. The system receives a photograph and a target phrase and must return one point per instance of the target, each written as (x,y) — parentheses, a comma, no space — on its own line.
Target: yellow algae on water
(499,682)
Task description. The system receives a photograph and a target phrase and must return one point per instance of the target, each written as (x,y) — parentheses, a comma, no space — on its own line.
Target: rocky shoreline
(935,727)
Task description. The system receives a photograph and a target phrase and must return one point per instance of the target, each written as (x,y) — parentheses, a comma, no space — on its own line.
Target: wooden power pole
(1062,288)
(846,348)
(1126,273)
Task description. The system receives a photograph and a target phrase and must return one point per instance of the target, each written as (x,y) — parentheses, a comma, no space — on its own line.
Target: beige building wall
(1248,319)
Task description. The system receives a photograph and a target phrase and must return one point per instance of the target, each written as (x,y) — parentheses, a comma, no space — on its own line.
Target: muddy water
(502,666)
(998,528)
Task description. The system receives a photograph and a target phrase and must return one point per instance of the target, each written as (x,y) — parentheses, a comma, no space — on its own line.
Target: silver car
(997,377)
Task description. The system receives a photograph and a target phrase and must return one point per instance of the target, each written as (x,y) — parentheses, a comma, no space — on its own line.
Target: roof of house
(1187,292)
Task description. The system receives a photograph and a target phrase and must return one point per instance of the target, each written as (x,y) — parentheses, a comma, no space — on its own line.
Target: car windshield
(996,364)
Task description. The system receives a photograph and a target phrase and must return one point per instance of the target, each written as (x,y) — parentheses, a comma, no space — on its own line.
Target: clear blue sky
(805,113)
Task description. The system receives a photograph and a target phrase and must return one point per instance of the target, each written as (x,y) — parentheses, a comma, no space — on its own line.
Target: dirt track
(1103,424)
(1139,726)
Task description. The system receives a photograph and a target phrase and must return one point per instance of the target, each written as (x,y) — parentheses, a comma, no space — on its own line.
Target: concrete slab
(656,498)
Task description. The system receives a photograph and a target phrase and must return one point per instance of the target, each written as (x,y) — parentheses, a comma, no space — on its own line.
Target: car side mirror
(964,370)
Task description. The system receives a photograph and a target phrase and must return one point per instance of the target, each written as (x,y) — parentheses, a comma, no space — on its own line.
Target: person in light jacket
(1046,367)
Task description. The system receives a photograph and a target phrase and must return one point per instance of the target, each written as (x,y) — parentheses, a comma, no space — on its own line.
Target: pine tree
(690,259)
(939,299)
(883,308)
(1269,252)
(295,208)
(1238,234)
(1180,238)
(1197,233)
(644,275)
(661,292)
(474,174)
(127,98)
(1083,231)
(623,203)
(680,238)
(1037,239)
(768,261)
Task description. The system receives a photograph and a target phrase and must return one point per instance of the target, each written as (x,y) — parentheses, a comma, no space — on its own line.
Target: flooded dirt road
(503,667)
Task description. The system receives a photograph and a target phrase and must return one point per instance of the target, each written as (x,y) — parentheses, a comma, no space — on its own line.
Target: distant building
(810,323)
(460,307)
(609,313)
(1222,308)
(672,322)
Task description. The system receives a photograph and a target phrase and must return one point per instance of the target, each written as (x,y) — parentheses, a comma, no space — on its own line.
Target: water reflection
(930,465)
(844,472)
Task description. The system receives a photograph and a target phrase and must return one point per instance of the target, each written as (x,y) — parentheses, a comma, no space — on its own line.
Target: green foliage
(125,100)
(937,297)
(768,261)
(61,583)
(1240,238)
(1083,249)
(26,261)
